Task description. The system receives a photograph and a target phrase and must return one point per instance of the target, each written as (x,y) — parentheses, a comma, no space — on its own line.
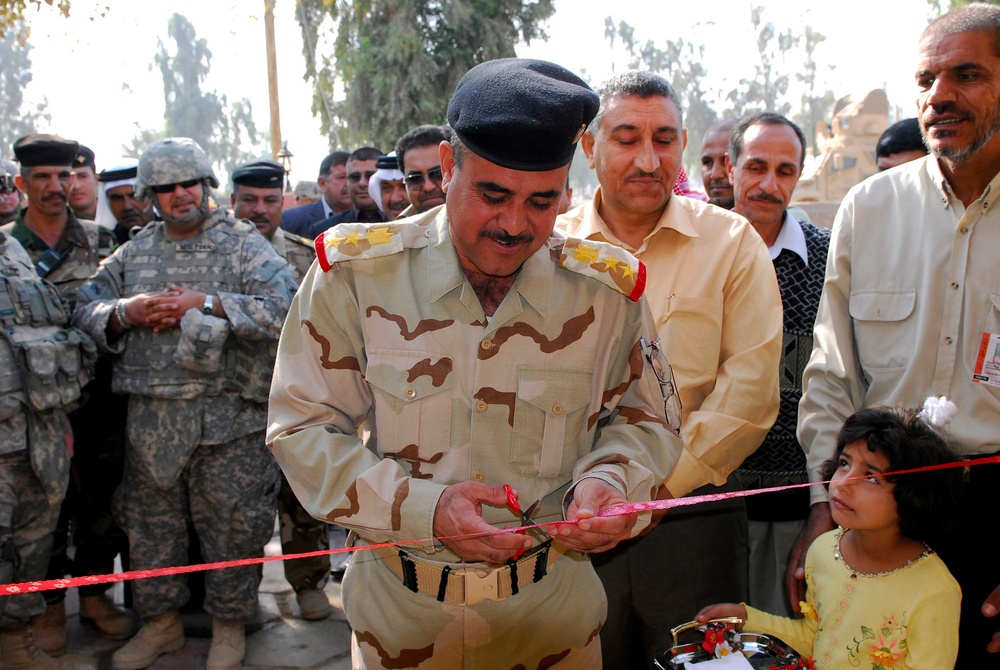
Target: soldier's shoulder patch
(608,264)
(298,239)
(357,241)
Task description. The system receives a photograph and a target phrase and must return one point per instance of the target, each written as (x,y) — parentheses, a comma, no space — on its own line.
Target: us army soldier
(191,306)
(43,366)
(485,352)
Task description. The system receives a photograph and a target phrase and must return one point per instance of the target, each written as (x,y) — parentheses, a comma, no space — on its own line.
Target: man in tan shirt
(715,300)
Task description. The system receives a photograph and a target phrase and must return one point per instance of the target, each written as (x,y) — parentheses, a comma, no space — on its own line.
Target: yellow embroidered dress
(905,619)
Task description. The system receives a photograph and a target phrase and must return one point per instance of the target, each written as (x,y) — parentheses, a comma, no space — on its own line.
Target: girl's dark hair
(926,501)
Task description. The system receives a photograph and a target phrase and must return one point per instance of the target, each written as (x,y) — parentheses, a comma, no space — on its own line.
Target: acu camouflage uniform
(43,367)
(300,531)
(196,406)
(98,424)
(550,389)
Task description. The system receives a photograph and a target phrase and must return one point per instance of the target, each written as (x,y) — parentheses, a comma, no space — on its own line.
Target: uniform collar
(73,233)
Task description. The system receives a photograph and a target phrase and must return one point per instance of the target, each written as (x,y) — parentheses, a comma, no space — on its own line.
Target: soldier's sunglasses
(355,177)
(415,180)
(169,188)
(7,183)
(668,384)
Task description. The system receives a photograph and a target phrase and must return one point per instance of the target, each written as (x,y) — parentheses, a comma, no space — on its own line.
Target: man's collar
(327,210)
(790,237)
(73,233)
(947,195)
(673,217)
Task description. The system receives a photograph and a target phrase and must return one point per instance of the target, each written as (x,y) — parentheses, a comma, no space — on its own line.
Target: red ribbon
(615,510)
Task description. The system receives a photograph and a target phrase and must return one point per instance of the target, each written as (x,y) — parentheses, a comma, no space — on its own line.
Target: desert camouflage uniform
(196,406)
(550,389)
(35,435)
(300,531)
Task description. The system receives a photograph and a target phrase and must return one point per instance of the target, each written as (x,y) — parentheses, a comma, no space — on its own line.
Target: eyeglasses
(355,177)
(7,183)
(668,384)
(169,188)
(415,180)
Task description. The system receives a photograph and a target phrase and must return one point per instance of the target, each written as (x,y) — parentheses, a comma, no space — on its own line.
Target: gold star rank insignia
(353,238)
(333,240)
(611,263)
(628,271)
(585,254)
(379,236)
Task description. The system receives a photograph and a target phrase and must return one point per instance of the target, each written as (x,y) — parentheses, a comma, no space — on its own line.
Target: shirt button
(486,344)
(479,475)
(480,406)
(964,231)
(954,286)
(947,340)
(557,409)
(411,393)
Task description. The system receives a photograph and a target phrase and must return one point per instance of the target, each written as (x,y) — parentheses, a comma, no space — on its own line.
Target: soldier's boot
(18,649)
(50,629)
(313,604)
(160,635)
(100,612)
(228,646)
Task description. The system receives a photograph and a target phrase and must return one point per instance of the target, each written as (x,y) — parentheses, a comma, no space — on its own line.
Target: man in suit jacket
(336,199)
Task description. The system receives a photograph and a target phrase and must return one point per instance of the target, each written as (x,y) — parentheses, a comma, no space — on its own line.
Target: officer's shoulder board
(298,239)
(608,264)
(358,241)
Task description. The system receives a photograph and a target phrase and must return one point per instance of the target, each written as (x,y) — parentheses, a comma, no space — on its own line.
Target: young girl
(877,596)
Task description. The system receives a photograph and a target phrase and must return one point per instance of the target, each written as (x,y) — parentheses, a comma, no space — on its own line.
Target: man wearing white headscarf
(118,209)
(386,187)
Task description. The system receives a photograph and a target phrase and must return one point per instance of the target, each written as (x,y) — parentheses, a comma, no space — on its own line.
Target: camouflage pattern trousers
(227,493)
(27,523)
(553,623)
(302,533)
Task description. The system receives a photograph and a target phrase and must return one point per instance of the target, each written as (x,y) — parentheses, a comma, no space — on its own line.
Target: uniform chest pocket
(884,327)
(413,404)
(550,420)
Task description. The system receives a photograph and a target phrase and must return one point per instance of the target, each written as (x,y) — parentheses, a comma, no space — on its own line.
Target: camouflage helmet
(172,161)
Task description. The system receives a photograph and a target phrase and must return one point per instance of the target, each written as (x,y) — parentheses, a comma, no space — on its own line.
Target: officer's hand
(593,533)
(145,310)
(820,521)
(460,512)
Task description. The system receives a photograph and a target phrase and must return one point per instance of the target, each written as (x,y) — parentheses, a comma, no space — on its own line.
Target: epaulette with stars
(608,264)
(356,241)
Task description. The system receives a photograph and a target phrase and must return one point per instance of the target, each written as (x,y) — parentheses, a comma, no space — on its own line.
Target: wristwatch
(209,304)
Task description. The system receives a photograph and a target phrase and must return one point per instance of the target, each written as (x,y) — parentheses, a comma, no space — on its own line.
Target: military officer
(257,197)
(483,351)
(191,306)
(35,438)
(66,250)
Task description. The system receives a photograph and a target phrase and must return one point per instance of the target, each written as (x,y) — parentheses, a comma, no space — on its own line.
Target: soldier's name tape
(616,510)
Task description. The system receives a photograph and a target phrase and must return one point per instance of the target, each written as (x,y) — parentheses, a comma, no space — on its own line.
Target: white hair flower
(938,411)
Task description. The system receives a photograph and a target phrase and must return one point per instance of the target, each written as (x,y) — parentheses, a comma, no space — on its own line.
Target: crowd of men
(439,335)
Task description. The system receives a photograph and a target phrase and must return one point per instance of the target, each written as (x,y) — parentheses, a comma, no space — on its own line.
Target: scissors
(514,506)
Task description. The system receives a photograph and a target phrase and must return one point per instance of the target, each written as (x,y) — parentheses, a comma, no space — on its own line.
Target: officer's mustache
(765,197)
(508,240)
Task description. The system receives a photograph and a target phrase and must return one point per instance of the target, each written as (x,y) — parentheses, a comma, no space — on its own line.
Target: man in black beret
(66,250)
(428,362)
(83,194)
(258,187)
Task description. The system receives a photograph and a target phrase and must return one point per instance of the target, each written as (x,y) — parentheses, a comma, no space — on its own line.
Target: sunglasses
(169,188)
(7,184)
(355,177)
(415,180)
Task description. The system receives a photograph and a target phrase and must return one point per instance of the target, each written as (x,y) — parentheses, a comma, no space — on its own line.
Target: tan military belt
(469,583)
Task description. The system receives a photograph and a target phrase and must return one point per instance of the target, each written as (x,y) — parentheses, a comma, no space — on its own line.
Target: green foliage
(226,131)
(399,60)
(12,16)
(15,119)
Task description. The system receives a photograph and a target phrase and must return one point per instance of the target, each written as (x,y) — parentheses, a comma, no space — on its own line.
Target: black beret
(34,150)
(386,163)
(522,114)
(84,157)
(260,174)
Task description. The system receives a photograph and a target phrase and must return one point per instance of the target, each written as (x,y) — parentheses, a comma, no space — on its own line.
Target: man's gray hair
(976,17)
(635,83)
